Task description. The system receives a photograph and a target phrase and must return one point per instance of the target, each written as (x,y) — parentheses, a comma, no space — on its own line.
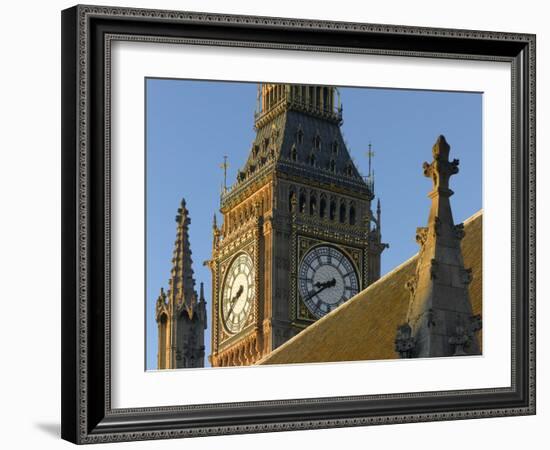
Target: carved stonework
(421,235)
(410,285)
(404,342)
(459,231)
(466,276)
(439,313)
(475,323)
(459,341)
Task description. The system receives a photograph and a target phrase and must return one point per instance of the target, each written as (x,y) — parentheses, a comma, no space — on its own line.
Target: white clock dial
(237,293)
(326,279)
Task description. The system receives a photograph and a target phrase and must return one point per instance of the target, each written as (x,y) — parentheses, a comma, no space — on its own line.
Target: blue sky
(191,125)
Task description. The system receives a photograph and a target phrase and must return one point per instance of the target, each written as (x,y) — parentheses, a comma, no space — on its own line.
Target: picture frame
(87,412)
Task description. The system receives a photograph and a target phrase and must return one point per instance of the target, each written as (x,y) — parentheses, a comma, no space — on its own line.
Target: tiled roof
(364,327)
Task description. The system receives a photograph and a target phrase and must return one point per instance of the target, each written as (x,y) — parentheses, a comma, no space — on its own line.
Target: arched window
(313,205)
(293,153)
(342,212)
(317,142)
(349,170)
(302,202)
(332,212)
(291,199)
(312,159)
(332,166)
(323,207)
(335,147)
(299,136)
(352,215)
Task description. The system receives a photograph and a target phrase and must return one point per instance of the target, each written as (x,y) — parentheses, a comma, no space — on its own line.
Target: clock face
(237,293)
(326,279)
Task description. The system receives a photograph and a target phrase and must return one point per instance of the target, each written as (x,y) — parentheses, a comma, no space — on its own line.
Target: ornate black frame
(87,416)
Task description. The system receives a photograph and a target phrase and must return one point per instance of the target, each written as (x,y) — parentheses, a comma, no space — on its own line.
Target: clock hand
(322,286)
(330,283)
(316,292)
(239,292)
(230,309)
(234,301)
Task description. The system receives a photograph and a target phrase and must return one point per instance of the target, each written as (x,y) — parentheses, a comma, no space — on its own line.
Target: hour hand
(322,286)
(239,292)
(325,284)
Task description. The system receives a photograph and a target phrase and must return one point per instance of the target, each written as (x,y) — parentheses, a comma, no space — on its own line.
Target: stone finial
(161,302)
(441,169)
(215,233)
(183,214)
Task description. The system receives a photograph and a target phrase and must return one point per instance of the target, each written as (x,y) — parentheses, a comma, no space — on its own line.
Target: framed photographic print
(281,224)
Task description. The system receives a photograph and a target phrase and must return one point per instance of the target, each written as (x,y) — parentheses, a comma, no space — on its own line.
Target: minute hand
(234,301)
(324,286)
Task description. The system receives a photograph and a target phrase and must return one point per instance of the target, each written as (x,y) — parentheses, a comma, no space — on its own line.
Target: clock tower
(298,237)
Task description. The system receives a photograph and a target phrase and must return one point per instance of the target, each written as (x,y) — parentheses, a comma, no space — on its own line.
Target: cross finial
(441,169)
(224,166)
(370,154)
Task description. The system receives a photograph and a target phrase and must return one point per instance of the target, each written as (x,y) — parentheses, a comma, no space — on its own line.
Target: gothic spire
(182,282)
(439,319)
(181,318)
